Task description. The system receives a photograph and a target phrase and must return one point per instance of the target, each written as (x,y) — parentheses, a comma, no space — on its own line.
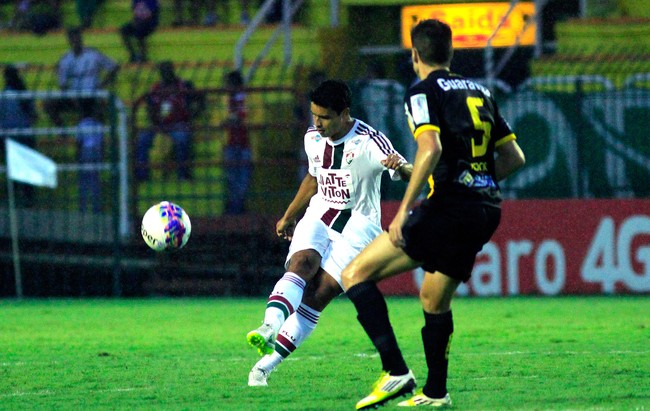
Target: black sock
(372,313)
(436,338)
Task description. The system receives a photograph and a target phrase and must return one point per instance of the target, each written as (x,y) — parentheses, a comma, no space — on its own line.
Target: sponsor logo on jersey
(336,188)
(461,84)
(420,109)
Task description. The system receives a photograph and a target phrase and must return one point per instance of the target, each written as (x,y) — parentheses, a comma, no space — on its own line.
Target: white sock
(269,362)
(295,330)
(293,333)
(284,298)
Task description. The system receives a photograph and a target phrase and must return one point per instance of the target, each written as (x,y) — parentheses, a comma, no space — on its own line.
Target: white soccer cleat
(257,377)
(262,338)
(421,400)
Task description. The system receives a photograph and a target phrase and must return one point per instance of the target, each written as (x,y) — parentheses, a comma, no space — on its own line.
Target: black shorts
(446,237)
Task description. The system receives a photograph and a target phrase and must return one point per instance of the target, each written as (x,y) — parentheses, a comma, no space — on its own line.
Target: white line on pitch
(50,392)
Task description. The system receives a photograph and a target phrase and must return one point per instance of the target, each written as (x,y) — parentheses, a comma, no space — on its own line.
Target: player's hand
(393,161)
(284,228)
(395,229)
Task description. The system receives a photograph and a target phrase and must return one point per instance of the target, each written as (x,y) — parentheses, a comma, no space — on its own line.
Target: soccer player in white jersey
(340,199)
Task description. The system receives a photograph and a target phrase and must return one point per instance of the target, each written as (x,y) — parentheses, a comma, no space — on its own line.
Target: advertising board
(555,247)
(472,24)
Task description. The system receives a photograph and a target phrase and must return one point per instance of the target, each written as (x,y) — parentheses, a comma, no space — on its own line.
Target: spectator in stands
(37,16)
(209,9)
(172,104)
(90,145)
(86,10)
(80,69)
(274,15)
(145,19)
(195,8)
(237,152)
(18,114)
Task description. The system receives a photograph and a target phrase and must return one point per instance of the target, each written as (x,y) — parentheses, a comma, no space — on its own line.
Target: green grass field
(569,353)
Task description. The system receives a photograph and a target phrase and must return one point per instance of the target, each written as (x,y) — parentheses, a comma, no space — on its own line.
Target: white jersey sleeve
(312,148)
(379,148)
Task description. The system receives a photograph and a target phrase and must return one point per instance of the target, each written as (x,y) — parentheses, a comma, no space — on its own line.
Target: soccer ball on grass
(166,226)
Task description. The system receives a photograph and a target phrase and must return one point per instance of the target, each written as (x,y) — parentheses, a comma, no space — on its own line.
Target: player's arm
(284,227)
(405,170)
(397,163)
(510,158)
(426,159)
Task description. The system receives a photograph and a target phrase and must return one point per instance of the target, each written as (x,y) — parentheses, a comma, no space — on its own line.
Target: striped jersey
(348,172)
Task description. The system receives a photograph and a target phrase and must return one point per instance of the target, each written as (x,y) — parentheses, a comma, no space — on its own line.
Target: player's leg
(309,243)
(377,261)
(289,290)
(456,235)
(436,294)
(320,291)
(284,299)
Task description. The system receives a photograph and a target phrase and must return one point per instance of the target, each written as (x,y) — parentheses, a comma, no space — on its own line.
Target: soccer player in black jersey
(464,148)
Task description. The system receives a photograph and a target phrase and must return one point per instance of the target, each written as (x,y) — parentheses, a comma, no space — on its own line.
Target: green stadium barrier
(581,145)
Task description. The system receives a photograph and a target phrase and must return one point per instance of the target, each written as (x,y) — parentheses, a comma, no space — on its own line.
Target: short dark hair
(432,39)
(332,94)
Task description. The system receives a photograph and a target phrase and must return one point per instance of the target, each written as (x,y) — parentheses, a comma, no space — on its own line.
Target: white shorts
(336,249)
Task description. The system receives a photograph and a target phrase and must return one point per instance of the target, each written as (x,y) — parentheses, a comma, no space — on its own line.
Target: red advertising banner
(552,247)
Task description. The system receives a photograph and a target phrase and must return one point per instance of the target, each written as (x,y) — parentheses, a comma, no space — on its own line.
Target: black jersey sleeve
(502,130)
(421,112)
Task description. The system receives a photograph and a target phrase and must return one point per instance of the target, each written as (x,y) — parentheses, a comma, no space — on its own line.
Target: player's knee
(432,302)
(319,297)
(304,264)
(350,275)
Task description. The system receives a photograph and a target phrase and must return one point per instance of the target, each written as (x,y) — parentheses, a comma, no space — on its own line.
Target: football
(166,227)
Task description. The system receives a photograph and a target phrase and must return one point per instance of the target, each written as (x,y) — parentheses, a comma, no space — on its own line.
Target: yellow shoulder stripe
(505,139)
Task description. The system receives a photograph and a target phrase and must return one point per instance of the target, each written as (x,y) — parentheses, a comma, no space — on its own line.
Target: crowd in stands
(172,103)
(144,21)
(18,114)
(80,69)
(37,16)
(205,12)
(42,16)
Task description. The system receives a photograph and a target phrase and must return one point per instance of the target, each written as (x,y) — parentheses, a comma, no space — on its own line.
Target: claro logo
(615,255)
(612,255)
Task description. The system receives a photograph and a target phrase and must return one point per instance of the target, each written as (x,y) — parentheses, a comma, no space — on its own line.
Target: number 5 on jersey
(480,149)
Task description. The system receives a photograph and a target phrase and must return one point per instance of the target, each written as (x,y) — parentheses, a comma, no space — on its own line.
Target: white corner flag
(29,166)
